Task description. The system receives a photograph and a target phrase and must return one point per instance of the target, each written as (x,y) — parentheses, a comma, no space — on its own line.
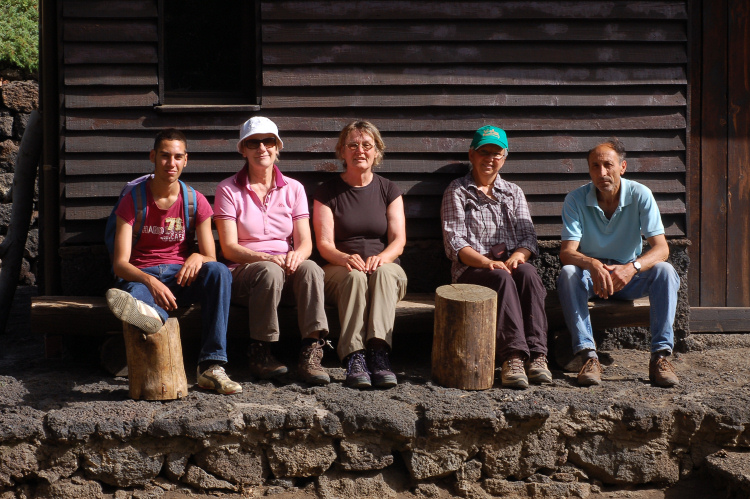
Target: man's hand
(515,260)
(496,264)
(621,275)
(603,285)
(292,261)
(161,293)
(189,271)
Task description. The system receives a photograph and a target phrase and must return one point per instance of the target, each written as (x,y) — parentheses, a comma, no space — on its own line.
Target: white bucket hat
(258,124)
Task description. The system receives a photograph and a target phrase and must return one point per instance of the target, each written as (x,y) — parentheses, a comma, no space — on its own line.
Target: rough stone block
(6,125)
(77,487)
(19,125)
(8,153)
(175,465)
(202,480)
(470,471)
(234,463)
(6,185)
(32,244)
(360,485)
(300,457)
(732,470)
(17,462)
(435,459)
(122,465)
(365,453)
(21,96)
(61,463)
(625,458)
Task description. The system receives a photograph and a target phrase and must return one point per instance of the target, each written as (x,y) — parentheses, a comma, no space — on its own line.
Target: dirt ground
(723,357)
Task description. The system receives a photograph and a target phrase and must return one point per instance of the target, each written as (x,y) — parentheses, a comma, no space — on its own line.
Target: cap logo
(490,131)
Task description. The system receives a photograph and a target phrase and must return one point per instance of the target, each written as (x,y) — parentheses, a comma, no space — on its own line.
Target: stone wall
(17,100)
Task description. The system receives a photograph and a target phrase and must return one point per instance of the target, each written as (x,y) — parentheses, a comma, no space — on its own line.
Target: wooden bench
(59,316)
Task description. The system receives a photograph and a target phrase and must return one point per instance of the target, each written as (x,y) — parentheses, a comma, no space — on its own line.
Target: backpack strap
(188,200)
(140,203)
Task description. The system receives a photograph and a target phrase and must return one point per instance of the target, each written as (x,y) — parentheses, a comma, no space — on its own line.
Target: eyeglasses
(489,154)
(255,143)
(353,146)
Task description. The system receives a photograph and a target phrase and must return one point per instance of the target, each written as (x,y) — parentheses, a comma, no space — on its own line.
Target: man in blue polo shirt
(602,256)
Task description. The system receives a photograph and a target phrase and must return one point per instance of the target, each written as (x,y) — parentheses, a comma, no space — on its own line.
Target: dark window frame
(251,71)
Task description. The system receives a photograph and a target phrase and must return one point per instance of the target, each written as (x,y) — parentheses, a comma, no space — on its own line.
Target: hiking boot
(513,374)
(134,312)
(263,365)
(309,368)
(357,375)
(215,378)
(536,369)
(380,367)
(590,373)
(661,373)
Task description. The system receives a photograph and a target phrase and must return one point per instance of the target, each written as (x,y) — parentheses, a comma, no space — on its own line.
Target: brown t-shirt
(360,224)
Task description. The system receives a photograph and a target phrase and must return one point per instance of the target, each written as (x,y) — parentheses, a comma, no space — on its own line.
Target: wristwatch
(637,266)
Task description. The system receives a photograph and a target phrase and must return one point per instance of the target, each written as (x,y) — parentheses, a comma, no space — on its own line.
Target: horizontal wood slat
(389,120)
(110,8)
(420,74)
(719,319)
(137,164)
(294,97)
(84,97)
(111,75)
(473,30)
(656,141)
(105,30)
(481,52)
(109,53)
(521,9)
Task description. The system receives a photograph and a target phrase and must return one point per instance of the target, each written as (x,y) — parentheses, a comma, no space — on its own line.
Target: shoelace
(515,365)
(590,365)
(380,360)
(220,374)
(539,362)
(664,365)
(313,353)
(357,364)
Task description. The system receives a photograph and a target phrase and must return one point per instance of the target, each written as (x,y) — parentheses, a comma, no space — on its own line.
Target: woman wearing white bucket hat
(264,229)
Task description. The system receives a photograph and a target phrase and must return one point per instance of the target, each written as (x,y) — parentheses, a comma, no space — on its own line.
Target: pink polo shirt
(265,225)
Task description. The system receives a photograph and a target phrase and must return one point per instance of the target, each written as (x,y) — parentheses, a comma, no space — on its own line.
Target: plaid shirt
(471,218)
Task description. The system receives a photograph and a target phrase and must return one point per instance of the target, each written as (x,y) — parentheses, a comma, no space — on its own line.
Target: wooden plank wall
(558,76)
(720,255)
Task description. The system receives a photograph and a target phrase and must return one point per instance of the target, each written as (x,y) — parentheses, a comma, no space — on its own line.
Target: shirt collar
(242,177)
(626,196)
(469,182)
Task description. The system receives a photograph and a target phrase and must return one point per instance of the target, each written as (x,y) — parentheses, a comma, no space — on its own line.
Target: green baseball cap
(489,135)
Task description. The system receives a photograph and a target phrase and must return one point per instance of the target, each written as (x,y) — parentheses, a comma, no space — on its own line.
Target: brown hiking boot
(661,373)
(263,365)
(513,374)
(309,368)
(590,373)
(537,371)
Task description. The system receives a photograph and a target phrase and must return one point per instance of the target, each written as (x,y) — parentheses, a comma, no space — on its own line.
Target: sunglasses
(353,146)
(255,143)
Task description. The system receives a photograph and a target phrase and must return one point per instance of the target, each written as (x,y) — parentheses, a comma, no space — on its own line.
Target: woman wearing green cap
(489,236)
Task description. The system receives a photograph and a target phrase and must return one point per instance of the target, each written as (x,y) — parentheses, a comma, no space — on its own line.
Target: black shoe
(380,367)
(357,375)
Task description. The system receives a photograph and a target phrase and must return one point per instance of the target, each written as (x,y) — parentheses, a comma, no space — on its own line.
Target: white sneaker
(133,311)
(215,378)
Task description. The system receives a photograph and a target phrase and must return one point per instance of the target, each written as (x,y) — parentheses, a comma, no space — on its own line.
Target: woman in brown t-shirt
(360,230)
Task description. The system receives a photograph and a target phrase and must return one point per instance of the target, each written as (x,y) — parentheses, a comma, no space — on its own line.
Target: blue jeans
(660,283)
(212,288)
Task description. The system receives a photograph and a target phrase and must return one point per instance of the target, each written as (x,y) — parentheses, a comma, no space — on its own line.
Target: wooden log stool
(155,367)
(463,346)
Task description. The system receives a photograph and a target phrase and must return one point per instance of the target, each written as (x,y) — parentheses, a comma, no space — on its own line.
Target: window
(209,52)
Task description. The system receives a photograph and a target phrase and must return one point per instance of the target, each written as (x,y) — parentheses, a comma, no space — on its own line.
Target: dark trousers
(521,320)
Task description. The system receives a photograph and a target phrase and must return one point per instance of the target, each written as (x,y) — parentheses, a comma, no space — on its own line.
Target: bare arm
(396,236)
(324,238)
(129,272)
(206,253)
(235,252)
(302,245)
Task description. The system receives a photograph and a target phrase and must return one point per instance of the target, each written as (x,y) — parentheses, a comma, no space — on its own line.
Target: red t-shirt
(162,240)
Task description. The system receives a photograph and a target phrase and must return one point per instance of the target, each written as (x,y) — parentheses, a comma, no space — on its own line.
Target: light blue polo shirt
(618,238)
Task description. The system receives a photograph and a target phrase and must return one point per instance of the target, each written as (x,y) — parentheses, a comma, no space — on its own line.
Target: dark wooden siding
(558,76)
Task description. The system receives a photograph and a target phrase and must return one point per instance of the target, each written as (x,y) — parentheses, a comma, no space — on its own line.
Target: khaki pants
(366,303)
(261,286)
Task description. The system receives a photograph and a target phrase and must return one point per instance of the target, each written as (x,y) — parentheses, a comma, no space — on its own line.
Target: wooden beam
(720,319)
